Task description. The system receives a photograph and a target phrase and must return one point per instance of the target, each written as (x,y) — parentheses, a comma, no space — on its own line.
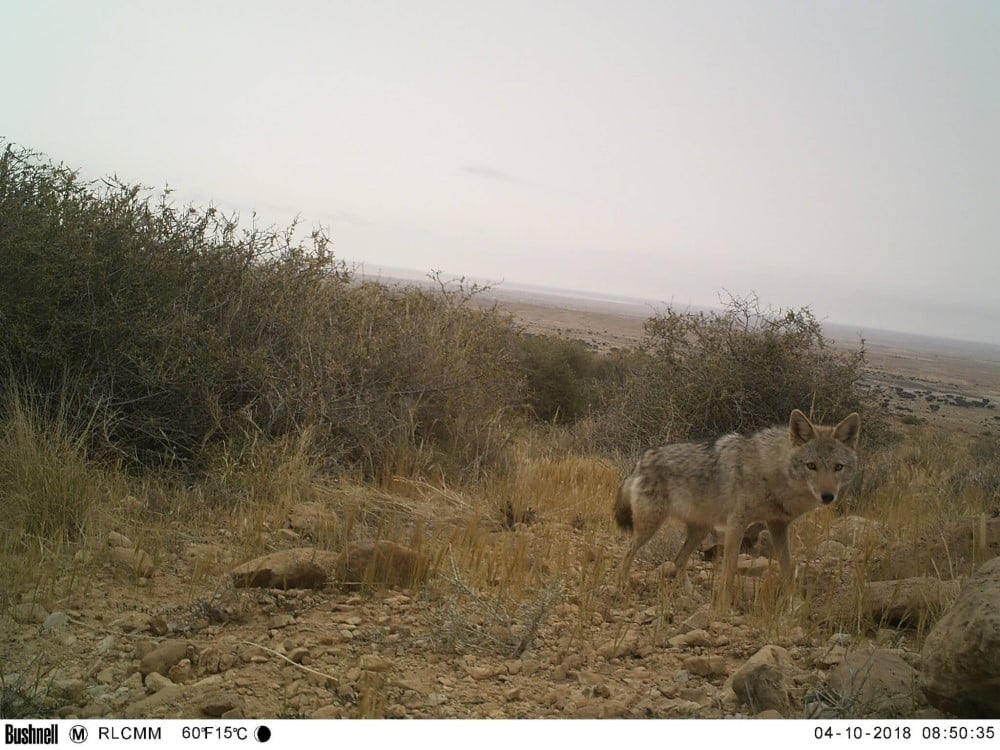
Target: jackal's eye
(811,465)
(838,467)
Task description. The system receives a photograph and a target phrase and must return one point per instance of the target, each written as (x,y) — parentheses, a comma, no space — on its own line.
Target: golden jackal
(773,476)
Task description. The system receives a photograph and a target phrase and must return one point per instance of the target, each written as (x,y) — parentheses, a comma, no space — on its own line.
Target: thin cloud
(347,217)
(488,173)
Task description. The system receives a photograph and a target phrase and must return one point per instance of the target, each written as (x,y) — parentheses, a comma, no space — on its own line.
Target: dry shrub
(705,374)
(423,382)
(184,329)
(174,322)
(48,486)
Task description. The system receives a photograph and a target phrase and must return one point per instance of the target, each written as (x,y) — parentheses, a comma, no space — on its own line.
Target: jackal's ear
(848,430)
(800,428)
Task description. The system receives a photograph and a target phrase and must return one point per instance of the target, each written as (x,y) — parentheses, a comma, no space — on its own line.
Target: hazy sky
(840,155)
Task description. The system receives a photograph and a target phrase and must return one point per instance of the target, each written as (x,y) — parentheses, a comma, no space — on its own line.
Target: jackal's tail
(623,507)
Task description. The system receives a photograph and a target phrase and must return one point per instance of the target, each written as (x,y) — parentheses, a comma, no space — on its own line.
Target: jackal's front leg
(779,539)
(730,554)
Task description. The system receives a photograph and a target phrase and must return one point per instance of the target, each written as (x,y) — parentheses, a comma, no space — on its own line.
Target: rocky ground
(284,637)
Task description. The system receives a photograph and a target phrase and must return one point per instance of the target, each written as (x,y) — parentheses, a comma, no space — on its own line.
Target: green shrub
(560,377)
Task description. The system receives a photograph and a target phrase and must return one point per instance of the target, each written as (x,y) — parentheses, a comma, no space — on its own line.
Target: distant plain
(948,381)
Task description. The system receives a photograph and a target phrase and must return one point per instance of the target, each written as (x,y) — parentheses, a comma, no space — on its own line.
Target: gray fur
(774,475)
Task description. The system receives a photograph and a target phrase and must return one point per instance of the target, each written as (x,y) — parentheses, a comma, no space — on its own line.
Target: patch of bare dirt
(575,645)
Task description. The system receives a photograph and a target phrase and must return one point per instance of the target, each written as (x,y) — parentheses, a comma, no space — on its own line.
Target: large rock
(164,656)
(381,563)
(873,684)
(30,613)
(763,681)
(762,687)
(134,560)
(217,702)
(908,601)
(949,552)
(961,656)
(302,568)
(905,602)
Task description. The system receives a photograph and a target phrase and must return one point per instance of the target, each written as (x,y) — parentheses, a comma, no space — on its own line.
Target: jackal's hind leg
(695,534)
(645,524)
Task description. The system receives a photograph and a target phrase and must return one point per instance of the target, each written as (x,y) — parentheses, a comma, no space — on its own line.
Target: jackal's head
(824,458)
